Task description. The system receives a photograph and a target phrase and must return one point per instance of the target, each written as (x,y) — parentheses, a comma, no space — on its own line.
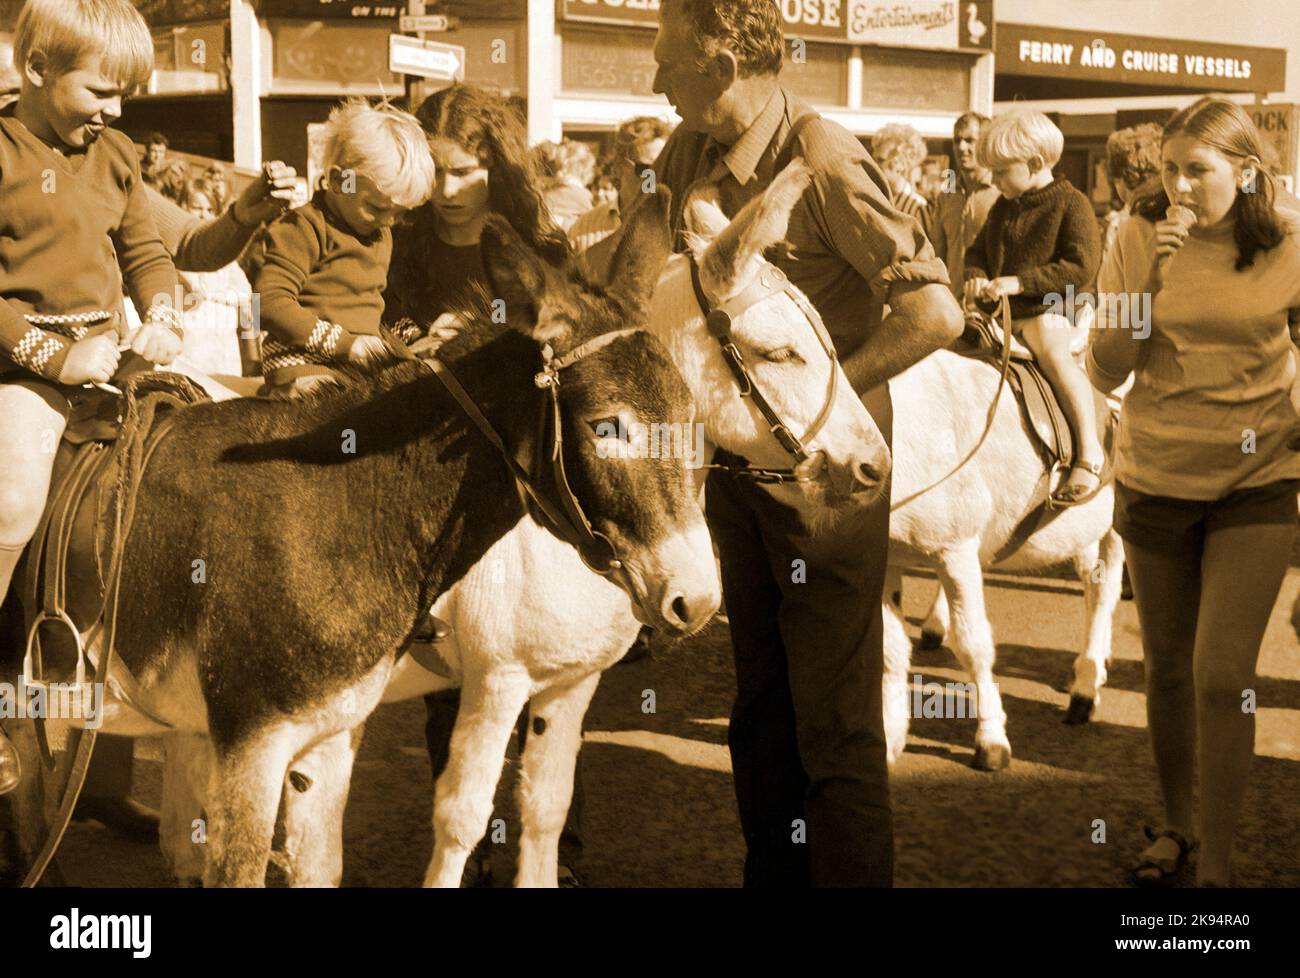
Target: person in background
(171,179)
(1041,240)
(212,306)
(218,186)
(637,142)
(1207,520)
(568,168)
(155,156)
(900,150)
(964,201)
(1132,160)
(325,264)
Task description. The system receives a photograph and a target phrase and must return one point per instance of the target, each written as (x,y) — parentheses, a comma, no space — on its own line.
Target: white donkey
(956,525)
(531,621)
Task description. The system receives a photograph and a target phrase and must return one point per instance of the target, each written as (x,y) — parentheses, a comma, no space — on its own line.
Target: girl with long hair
(1205,487)
(484,167)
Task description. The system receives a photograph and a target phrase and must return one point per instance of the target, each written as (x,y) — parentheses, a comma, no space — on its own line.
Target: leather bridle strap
(568,518)
(770,281)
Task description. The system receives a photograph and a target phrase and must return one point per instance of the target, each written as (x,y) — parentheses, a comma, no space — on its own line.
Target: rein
(1004,313)
(770,281)
(566,519)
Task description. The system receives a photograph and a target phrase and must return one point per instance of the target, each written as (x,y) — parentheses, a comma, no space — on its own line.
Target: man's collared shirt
(846,243)
(954,221)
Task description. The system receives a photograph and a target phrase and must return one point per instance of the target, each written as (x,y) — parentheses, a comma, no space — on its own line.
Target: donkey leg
(971,639)
(546,788)
(315,795)
(243,800)
(182,827)
(489,707)
(935,626)
(898,656)
(1100,567)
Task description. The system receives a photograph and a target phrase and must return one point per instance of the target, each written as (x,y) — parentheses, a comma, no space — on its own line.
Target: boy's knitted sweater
(71,228)
(1048,238)
(321,286)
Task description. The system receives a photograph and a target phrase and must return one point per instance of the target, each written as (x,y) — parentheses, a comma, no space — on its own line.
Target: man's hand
(92,359)
(267,197)
(157,344)
(365,347)
(444,328)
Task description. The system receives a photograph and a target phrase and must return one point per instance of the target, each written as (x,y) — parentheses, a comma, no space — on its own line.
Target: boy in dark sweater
(322,278)
(1041,239)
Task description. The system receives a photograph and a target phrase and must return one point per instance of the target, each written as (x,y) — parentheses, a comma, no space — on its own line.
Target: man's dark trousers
(807,730)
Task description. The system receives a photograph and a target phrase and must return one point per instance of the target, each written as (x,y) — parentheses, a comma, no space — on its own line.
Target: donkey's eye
(608,428)
(784,354)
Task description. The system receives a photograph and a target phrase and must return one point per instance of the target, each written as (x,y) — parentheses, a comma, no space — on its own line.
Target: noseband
(770,281)
(567,519)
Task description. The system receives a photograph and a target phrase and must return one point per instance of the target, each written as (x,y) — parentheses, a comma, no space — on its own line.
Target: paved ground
(660,810)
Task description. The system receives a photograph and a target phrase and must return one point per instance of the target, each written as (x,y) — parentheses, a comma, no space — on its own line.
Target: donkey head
(780,347)
(627,424)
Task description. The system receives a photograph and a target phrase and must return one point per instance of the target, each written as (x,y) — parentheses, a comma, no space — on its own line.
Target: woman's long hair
(487,126)
(1225,125)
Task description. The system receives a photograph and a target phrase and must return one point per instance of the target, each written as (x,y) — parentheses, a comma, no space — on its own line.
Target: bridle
(770,281)
(565,519)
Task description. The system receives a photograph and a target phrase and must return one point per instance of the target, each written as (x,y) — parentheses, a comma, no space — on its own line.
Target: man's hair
(1018,136)
(382,143)
(749,29)
(157,138)
(967,118)
(68,33)
(1133,154)
(634,135)
(569,159)
(898,147)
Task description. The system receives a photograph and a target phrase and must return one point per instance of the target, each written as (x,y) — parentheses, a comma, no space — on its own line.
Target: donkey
(531,601)
(369,501)
(956,525)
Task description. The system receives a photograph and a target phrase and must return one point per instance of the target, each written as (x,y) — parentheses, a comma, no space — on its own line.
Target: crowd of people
(387,250)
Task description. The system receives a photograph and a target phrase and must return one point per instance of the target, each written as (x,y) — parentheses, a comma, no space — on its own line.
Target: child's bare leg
(31,425)
(1048,338)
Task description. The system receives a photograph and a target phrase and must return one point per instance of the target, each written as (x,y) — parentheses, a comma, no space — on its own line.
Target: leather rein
(770,281)
(567,519)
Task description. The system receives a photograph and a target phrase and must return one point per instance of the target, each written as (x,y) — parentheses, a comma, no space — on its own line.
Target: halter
(567,520)
(770,281)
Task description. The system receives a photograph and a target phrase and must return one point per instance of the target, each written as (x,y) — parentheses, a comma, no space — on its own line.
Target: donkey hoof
(1079,710)
(931,638)
(996,757)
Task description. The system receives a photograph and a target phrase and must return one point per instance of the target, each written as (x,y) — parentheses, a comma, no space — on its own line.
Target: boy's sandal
(1161,872)
(1067,495)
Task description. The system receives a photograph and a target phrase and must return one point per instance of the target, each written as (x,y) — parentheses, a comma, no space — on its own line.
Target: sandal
(1161,872)
(1068,494)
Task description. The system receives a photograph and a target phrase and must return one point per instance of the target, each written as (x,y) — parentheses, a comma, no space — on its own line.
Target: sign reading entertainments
(946,24)
(1051,52)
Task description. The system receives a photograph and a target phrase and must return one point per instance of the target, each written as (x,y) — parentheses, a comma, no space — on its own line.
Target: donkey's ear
(521,280)
(645,245)
(760,224)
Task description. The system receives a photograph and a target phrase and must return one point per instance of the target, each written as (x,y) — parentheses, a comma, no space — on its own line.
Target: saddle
(982,340)
(1040,408)
(73,562)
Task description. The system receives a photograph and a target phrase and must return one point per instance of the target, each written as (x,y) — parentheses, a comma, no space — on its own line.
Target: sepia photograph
(650,445)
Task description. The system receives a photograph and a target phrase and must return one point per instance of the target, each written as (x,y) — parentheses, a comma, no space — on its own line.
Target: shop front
(1055,67)
(862,64)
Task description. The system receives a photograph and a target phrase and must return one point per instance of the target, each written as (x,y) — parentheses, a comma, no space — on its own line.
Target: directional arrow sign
(428,59)
(426,22)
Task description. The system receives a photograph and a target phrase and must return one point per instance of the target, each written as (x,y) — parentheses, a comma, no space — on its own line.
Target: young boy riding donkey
(74,223)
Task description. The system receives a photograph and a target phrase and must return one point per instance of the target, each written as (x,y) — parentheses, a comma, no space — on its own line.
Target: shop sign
(331,9)
(1050,52)
(895,23)
(1280,127)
